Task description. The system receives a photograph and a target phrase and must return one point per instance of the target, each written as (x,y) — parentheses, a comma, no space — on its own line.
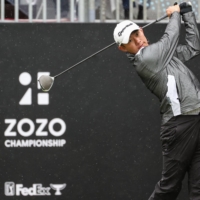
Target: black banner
(95,135)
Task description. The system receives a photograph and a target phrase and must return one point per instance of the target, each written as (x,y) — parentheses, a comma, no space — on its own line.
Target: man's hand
(172,9)
(185,7)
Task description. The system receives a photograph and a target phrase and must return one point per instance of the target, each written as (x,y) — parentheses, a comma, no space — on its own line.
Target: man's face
(137,40)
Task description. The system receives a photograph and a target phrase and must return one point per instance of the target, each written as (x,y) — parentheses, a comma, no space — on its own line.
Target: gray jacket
(160,66)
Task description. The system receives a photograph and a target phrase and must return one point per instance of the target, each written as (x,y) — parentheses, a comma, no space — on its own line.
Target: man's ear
(122,48)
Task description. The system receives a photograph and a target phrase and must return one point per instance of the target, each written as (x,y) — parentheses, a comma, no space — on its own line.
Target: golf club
(46,81)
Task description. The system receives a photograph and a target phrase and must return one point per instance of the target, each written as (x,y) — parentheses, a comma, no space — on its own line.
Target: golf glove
(185,7)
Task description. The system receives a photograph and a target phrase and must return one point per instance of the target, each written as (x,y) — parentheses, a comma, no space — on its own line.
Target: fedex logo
(37,189)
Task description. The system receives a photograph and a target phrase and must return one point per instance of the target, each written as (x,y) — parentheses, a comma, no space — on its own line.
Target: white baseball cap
(123,31)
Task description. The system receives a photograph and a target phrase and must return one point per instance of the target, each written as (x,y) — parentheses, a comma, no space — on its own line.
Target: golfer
(161,67)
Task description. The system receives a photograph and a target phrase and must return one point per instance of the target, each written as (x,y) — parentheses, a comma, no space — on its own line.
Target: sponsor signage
(37,189)
(39,132)
(14,129)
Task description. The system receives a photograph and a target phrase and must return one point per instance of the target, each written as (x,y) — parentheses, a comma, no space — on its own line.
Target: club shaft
(157,20)
(85,59)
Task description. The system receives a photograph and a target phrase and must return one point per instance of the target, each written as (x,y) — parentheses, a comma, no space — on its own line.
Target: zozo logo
(25,79)
(40,130)
(56,127)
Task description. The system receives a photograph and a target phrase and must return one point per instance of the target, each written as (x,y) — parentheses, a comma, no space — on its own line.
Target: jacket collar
(131,56)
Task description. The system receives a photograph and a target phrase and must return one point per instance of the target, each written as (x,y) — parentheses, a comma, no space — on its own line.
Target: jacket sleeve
(157,55)
(191,47)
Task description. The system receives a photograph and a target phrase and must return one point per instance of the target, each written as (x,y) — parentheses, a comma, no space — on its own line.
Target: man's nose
(137,41)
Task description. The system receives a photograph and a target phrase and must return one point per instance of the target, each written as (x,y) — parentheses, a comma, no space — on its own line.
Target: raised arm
(191,47)
(159,54)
